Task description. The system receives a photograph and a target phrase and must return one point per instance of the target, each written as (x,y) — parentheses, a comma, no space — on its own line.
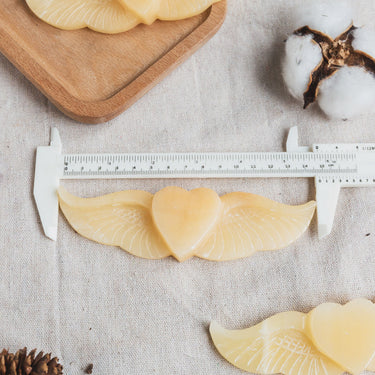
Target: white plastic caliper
(332,165)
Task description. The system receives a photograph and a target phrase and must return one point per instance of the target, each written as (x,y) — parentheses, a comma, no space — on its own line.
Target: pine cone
(23,364)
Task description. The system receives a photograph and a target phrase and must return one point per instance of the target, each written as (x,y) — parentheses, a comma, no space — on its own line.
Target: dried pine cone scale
(22,363)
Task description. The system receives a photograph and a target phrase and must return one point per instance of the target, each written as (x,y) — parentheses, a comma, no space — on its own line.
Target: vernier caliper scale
(333,166)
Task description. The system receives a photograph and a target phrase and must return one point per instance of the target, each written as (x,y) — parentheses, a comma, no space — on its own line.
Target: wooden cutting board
(94,77)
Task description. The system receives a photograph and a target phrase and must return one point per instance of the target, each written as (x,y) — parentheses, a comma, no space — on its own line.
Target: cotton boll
(348,93)
(337,74)
(302,55)
(330,17)
(364,40)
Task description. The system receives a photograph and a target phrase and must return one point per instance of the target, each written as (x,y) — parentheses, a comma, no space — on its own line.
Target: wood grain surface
(94,77)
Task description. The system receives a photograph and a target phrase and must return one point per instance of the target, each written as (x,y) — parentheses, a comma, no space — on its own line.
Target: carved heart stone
(184,218)
(346,334)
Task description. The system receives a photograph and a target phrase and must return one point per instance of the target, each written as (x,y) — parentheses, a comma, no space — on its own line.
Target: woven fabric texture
(88,303)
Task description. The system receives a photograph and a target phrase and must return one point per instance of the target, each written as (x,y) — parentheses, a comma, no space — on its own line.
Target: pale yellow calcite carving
(185,218)
(146,10)
(106,16)
(150,10)
(345,333)
(185,224)
(173,9)
(330,340)
(113,16)
(251,223)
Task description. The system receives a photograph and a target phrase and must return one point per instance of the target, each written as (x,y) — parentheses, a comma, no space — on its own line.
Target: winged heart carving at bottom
(185,223)
(330,340)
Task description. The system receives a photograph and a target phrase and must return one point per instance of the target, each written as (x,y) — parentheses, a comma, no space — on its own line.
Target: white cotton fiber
(302,55)
(348,93)
(332,17)
(364,40)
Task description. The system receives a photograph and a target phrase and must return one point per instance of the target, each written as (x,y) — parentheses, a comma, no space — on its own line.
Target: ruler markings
(209,164)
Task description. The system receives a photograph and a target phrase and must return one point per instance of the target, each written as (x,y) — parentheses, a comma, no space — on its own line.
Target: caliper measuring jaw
(48,169)
(326,195)
(328,186)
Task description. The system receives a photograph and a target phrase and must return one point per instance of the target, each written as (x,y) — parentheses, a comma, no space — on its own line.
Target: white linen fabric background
(88,303)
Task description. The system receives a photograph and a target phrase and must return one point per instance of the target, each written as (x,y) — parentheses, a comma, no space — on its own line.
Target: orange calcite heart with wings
(106,16)
(184,224)
(279,345)
(330,340)
(146,10)
(113,16)
(345,333)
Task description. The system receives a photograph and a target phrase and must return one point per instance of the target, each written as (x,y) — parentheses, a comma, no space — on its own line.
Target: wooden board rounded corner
(104,109)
